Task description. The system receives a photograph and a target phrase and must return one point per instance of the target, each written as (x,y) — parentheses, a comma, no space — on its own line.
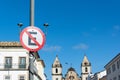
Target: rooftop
(116,57)
(71,69)
(10,44)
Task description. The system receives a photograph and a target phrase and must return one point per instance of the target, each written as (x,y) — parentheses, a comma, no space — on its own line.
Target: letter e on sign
(32,38)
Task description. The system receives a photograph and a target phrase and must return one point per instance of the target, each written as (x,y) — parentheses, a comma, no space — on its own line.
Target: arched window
(71,78)
(56,70)
(86,69)
(56,78)
(85,63)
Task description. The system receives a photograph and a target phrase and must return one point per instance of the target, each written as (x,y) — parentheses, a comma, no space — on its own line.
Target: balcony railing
(8,66)
(22,65)
(14,65)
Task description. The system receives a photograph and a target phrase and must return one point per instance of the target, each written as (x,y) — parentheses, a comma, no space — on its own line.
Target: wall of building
(102,74)
(113,68)
(59,77)
(72,74)
(15,51)
(15,54)
(40,67)
(14,75)
(88,68)
(103,78)
(84,77)
(15,72)
(58,72)
(98,75)
(115,74)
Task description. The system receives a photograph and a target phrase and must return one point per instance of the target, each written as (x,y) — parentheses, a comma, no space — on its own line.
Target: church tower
(86,68)
(56,70)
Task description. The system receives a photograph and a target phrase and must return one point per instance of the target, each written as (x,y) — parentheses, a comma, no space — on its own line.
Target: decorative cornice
(84,73)
(10,44)
(57,74)
(42,62)
(11,69)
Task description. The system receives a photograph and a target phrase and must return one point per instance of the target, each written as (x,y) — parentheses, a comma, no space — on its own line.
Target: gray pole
(30,53)
(30,66)
(31,12)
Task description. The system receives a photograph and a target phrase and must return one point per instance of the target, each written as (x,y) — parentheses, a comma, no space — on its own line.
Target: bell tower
(86,68)
(56,70)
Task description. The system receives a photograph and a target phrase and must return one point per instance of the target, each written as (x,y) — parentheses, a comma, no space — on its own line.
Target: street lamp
(46,26)
(20,25)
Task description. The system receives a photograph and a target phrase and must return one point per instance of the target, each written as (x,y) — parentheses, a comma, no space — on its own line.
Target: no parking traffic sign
(32,38)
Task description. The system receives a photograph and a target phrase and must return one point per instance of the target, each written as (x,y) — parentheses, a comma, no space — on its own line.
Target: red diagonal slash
(36,42)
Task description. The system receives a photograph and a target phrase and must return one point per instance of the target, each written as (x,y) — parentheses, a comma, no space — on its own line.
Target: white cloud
(86,34)
(94,29)
(81,46)
(116,28)
(113,34)
(52,48)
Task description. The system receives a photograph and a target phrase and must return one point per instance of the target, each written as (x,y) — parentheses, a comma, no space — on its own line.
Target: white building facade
(14,63)
(98,75)
(113,68)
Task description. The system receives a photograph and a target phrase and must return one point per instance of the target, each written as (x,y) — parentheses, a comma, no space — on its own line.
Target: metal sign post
(31,53)
(31,12)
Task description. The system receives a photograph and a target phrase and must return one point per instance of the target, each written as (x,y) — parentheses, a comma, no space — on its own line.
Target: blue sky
(77,27)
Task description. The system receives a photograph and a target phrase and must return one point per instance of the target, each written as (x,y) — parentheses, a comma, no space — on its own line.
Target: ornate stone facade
(71,73)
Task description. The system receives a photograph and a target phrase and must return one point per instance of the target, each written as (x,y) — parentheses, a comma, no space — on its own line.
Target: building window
(108,70)
(7,77)
(118,64)
(56,70)
(8,62)
(85,63)
(86,69)
(22,62)
(56,78)
(119,77)
(22,78)
(114,78)
(71,78)
(113,67)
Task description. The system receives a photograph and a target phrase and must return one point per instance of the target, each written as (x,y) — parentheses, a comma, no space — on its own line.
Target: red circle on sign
(32,38)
